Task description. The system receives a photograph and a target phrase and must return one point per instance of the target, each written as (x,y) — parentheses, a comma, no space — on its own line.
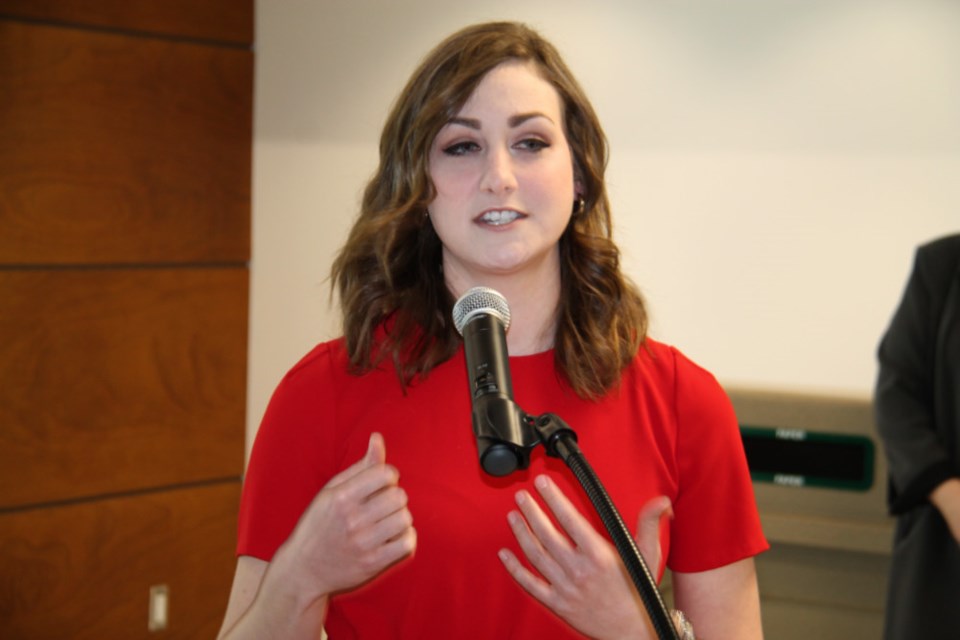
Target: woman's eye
(533,144)
(460,148)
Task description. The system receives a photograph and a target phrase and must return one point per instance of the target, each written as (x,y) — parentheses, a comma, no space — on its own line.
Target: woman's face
(503,174)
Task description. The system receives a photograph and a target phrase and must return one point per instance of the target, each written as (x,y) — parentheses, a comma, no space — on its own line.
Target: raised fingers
(581,578)
(568,517)
(536,587)
(540,542)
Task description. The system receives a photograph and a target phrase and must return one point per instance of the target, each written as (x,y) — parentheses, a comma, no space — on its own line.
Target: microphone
(504,437)
(505,434)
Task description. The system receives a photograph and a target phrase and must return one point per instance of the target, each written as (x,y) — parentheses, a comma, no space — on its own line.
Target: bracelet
(684,628)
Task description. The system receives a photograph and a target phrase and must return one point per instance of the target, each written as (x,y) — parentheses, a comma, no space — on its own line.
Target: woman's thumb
(376,451)
(648,529)
(376,454)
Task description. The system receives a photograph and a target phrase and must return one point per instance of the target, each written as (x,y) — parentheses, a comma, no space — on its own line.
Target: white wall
(773,163)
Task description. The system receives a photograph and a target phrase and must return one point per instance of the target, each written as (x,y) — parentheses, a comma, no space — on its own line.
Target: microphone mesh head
(477,301)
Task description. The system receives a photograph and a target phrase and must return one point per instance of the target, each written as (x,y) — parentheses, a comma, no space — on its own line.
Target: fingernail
(541,482)
(521,497)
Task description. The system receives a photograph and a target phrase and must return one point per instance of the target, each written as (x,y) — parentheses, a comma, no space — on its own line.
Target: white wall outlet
(159,602)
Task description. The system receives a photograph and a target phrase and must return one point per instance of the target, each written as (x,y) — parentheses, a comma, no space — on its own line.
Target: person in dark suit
(917,405)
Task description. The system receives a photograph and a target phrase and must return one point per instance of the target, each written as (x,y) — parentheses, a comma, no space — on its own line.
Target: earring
(579,206)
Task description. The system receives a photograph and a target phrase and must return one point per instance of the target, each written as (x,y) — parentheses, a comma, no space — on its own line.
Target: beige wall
(773,164)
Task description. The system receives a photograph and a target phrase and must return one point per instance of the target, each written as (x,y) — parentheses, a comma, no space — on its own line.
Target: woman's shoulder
(669,369)
(320,379)
(667,359)
(326,368)
(323,360)
(699,403)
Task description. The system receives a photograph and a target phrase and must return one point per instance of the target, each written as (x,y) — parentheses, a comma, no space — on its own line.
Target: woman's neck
(533,310)
(533,318)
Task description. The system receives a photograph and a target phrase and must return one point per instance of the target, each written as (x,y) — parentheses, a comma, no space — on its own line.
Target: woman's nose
(498,173)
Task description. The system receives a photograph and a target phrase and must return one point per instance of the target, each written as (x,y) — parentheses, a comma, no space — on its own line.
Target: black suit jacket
(917,405)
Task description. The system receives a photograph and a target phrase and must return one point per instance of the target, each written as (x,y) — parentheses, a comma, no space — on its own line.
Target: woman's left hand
(582,578)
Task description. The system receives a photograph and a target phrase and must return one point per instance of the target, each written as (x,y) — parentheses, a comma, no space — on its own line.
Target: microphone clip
(506,435)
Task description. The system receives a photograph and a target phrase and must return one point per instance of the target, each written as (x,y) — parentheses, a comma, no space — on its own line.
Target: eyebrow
(512,121)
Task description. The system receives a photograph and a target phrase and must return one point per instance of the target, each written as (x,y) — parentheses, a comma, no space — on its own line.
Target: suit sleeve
(903,399)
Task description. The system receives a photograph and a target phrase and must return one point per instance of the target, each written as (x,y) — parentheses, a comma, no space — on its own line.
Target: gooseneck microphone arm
(506,434)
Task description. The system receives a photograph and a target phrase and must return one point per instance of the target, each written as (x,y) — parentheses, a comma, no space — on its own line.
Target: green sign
(803,458)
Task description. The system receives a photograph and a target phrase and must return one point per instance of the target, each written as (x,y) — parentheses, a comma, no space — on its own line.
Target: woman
(491,173)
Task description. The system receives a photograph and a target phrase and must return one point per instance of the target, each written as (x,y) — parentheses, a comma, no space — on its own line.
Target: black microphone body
(503,431)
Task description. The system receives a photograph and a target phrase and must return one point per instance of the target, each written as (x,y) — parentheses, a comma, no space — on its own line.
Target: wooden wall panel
(125,164)
(114,380)
(117,149)
(83,571)
(224,20)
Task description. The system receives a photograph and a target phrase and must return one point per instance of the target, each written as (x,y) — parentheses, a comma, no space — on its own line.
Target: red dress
(668,430)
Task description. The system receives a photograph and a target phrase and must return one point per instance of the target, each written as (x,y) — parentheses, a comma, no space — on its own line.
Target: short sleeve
(715,514)
(287,465)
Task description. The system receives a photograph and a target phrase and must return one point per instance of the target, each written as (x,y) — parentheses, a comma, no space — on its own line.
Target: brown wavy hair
(388,275)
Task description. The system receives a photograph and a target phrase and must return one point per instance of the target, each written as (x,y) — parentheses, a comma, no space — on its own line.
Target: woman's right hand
(355,527)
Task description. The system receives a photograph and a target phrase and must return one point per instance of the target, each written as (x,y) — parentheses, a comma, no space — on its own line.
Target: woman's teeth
(499,217)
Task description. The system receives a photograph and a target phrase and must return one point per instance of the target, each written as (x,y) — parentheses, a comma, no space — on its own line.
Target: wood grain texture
(222,20)
(119,380)
(122,150)
(84,571)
